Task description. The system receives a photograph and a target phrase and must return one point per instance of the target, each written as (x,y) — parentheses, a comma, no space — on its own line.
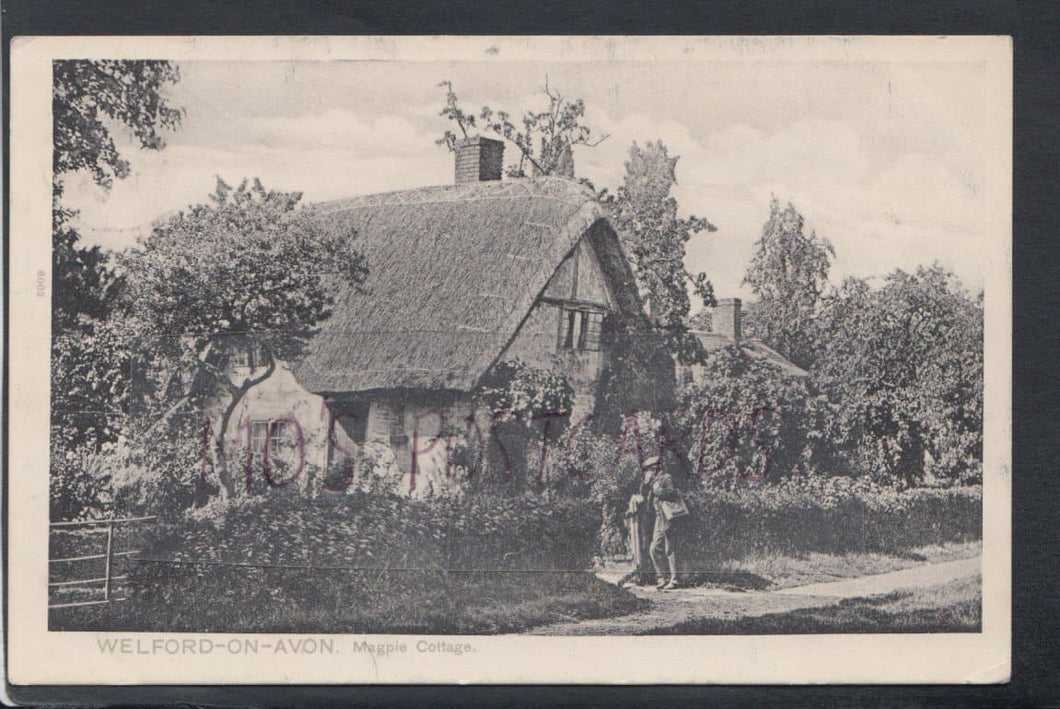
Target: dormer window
(581,329)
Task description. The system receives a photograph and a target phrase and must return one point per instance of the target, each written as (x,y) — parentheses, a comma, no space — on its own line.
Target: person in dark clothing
(658,489)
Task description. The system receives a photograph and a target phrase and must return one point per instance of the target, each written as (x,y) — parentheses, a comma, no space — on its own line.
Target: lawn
(300,600)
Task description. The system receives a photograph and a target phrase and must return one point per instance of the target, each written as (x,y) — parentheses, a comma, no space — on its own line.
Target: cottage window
(249,354)
(397,425)
(283,435)
(581,329)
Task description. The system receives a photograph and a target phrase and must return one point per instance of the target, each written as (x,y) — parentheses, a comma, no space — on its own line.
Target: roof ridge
(516,188)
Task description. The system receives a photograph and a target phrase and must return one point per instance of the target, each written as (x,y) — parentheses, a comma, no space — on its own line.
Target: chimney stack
(727,319)
(479,159)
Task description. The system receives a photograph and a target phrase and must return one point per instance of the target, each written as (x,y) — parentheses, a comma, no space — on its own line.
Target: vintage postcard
(509,360)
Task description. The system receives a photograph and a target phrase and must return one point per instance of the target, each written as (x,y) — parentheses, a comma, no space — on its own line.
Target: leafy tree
(904,365)
(246,271)
(702,321)
(639,374)
(788,273)
(545,138)
(640,371)
(89,98)
(654,237)
(89,95)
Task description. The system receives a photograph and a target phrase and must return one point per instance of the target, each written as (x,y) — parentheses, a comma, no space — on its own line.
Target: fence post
(106,571)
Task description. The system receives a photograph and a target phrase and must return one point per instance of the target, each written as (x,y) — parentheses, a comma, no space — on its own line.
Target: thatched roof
(752,347)
(453,272)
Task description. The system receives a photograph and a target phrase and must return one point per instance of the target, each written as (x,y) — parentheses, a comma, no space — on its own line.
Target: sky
(884,159)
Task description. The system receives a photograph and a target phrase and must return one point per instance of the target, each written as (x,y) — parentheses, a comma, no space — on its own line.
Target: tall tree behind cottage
(639,373)
(88,98)
(788,273)
(654,236)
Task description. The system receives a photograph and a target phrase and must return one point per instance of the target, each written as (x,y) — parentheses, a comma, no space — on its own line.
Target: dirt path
(673,607)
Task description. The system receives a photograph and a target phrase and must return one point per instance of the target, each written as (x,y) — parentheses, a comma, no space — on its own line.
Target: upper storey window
(581,329)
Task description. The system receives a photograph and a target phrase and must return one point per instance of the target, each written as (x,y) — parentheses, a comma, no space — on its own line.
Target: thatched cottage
(461,277)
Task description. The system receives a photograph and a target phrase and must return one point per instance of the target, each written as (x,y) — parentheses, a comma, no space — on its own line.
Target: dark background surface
(1035,27)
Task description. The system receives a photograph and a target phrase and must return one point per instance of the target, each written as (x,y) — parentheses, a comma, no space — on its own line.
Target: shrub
(821,514)
(607,471)
(368,562)
(79,483)
(161,474)
(517,397)
(748,420)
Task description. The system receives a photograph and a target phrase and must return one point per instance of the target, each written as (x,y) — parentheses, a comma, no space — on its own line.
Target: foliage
(702,320)
(638,375)
(605,470)
(79,485)
(748,421)
(654,237)
(514,389)
(815,513)
(903,364)
(88,96)
(545,138)
(788,273)
(364,599)
(161,472)
(528,408)
(444,533)
(88,99)
(246,270)
(89,382)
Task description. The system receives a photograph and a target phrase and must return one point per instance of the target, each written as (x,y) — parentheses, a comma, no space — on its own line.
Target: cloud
(891,177)
(340,129)
(915,211)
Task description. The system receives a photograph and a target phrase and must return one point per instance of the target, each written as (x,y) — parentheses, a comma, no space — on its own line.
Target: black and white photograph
(569,337)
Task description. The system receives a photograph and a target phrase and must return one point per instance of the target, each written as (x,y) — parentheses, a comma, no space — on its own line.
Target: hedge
(359,530)
(371,562)
(831,515)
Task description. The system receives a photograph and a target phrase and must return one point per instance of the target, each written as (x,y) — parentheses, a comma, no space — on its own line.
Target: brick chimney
(479,159)
(727,318)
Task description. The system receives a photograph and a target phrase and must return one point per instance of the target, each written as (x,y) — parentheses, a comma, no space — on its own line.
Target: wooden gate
(86,561)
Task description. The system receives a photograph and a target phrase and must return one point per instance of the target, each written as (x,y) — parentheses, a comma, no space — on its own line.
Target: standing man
(658,488)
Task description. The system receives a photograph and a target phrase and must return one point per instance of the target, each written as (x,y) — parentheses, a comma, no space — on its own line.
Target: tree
(788,273)
(246,271)
(545,140)
(904,366)
(89,98)
(654,237)
(87,95)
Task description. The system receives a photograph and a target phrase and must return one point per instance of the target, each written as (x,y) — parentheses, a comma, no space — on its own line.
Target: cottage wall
(578,282)
(277,399)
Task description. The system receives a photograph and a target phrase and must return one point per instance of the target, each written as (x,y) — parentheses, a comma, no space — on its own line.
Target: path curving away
(671,608)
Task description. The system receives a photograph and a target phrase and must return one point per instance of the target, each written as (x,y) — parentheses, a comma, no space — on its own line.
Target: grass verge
(774,571)
(300,600)
(954,607)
